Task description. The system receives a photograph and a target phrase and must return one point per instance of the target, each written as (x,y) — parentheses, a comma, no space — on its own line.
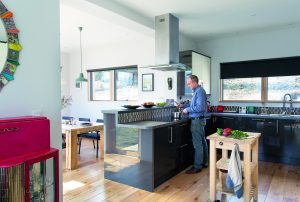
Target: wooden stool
(249,166)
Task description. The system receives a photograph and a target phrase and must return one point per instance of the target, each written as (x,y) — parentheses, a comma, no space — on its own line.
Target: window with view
(119,83)
(251,89)
(101,85)
(126,84)
(241,89)
(278,86)
(260,80)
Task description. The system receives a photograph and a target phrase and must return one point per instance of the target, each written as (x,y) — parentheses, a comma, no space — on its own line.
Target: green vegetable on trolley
(220,131)
(236,134)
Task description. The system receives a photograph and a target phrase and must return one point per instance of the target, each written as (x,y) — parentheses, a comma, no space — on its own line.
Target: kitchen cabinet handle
(220,143)
(183,124)
(170,140)
(258,119)
(230,118)
(183,145)
(277,127)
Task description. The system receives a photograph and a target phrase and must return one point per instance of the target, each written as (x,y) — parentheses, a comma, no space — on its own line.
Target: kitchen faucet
(284,101)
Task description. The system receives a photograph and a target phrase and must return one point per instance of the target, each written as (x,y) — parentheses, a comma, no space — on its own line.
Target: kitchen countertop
(152,124)
(124,110)
(263,116)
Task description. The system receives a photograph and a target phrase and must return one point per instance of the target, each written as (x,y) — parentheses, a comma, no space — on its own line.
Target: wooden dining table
(72,132)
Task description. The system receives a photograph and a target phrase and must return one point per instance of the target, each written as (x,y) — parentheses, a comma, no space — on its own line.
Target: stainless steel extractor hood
(167,44)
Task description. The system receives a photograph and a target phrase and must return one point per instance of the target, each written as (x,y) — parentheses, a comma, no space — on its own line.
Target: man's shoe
(204,165)
(193,170)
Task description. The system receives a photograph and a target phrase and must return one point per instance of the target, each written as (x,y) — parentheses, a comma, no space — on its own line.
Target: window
(101,85)
(278,86)
(126,84)
(119,83)
(260,89)
(260,80)
(241,89)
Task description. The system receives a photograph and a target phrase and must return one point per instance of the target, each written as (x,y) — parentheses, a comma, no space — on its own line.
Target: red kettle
(220,108)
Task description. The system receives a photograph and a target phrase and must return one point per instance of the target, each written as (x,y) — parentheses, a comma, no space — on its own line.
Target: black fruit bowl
(131,106)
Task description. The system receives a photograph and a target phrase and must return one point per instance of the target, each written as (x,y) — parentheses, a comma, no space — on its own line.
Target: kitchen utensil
(209,108)
(250,110)
(170,102)
(176,115)
(242,110)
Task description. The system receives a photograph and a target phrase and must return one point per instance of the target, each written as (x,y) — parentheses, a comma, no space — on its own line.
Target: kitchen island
(164,146)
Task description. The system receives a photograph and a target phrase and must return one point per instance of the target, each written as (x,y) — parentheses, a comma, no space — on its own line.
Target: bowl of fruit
(161,104)
(148,104)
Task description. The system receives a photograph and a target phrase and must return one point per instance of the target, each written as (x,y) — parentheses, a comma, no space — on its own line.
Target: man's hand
(178,105)
(184,111)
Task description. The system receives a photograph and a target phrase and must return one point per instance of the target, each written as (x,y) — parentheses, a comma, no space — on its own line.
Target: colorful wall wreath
(13,47)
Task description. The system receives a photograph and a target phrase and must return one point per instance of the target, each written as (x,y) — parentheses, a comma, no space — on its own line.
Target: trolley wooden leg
(212,171)
(247,173)
(255,172)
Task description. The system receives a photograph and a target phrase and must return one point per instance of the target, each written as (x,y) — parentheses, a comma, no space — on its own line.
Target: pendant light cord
(80,29)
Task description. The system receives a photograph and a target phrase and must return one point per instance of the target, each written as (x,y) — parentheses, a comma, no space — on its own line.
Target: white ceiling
(100,27)
(110,21)
(205,19)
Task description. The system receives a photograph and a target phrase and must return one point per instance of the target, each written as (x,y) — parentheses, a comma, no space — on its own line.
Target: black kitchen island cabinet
(173,151)
(164,147)
(280,136)
(164,154)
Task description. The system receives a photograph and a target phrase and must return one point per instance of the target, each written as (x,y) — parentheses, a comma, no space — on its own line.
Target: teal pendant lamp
(81,76)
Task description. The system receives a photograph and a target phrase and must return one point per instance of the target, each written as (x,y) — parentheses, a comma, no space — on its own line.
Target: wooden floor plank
(277,186)
(277,182)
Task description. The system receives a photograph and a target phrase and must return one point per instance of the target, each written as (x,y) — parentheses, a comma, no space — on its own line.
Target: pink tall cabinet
(28,166)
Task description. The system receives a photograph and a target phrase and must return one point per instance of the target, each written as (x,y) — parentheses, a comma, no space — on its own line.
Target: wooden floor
(277,183)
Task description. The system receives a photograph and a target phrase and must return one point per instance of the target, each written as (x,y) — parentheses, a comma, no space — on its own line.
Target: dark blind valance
(261,68)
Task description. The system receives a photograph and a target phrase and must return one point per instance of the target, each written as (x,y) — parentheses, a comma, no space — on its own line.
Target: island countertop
(152,124)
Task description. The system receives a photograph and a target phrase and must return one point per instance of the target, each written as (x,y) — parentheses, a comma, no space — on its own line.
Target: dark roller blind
(288,66)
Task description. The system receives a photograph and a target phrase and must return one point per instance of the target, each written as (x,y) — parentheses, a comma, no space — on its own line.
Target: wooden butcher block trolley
(249,147)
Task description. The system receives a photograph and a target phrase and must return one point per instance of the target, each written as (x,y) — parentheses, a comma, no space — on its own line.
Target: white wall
(260,45)
(65,80)
(135,51)
(37,79)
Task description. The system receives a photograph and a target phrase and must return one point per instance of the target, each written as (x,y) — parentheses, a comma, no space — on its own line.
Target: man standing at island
(196,110)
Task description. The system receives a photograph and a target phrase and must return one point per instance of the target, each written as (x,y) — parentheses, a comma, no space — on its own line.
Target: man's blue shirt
(198,106)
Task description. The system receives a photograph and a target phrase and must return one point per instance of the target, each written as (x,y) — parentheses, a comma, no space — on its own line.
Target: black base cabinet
(256,125)
(279,141)
(173,151)
(290,133)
